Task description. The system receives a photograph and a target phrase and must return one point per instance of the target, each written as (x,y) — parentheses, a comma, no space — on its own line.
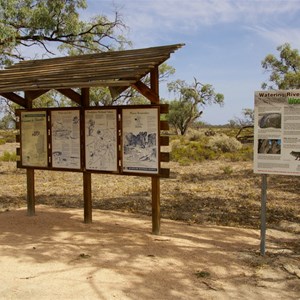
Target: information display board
(101,140)
(34,146)
(65,139)
(277,132)
(140,149)
(107,139)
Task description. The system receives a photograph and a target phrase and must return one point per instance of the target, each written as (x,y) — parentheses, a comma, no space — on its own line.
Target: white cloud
(151,22)
(191,14)
(280,35)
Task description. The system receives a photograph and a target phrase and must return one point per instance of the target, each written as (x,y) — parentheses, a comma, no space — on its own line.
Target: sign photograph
(277,132)
(34,139)
(101,140)
(140,131)
(65,138)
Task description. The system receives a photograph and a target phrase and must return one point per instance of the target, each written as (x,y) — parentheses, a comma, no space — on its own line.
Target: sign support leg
(87,197)
(263,215)
(155,205)
(30,192)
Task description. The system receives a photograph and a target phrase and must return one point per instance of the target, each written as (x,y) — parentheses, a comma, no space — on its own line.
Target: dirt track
(54,255)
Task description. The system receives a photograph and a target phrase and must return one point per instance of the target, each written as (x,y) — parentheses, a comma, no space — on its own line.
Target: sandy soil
(54,255)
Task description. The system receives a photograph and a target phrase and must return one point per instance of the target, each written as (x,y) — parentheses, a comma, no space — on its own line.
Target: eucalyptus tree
(31,29)
(189,101)
(284,69)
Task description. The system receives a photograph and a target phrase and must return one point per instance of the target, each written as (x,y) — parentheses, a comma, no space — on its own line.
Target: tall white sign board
(277,132)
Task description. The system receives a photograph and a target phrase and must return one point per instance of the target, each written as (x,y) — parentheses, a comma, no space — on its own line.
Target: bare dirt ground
(208,247)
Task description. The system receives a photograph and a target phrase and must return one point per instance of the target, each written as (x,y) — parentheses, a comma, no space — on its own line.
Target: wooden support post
(30,173)
(87,177)
(30,192)
(87,192)
(155,181)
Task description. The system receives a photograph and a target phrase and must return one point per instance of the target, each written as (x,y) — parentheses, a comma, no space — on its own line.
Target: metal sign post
(263,214)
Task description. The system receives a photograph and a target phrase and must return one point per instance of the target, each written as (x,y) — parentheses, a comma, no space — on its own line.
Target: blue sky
(225,41)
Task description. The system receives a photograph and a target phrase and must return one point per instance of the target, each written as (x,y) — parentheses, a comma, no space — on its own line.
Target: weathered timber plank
(164,125)
(164,140)
(164,156)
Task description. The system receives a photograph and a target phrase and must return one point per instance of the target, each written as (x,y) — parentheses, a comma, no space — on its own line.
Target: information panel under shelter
(34,139)
(140,130)
(65,136)
(101,147)
(277,132)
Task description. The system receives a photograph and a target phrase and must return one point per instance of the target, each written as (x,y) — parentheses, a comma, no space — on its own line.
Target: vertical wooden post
(30,175)
(87,197)
(155,181)
(155,205)
(87,177)
(30,192)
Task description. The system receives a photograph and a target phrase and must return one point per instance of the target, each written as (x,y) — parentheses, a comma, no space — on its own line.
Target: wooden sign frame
(115,131)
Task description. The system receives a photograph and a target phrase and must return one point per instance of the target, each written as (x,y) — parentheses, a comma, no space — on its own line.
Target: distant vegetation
(7,136)
(209,144)
(8,156)
(199,144)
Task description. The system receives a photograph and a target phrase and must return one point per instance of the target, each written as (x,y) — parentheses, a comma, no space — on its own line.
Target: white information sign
(65,135)
(140,140)
(277,132)
(101,148)
(34,139)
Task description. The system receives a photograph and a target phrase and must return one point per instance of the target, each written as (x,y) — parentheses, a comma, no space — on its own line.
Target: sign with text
(101,140)
(34,150)
(65,139)
(277,132)
(140,149)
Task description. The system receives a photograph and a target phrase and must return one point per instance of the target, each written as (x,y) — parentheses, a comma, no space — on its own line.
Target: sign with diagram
(140,149)
(65,139)
(34,150)
(101,140)
(277,132)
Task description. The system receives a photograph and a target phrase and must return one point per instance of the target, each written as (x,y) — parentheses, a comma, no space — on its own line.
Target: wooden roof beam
(146,91)
(32,95)
(115,91)
(71,94)
(14,98)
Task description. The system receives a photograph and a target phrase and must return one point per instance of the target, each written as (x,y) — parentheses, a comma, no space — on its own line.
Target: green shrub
(2,141)
(9,136)
(196,147)
(227,170)
(185,152)
(224,143)
(7,156)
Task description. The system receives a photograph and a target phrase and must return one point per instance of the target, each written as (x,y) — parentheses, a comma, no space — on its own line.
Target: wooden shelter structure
(117,70)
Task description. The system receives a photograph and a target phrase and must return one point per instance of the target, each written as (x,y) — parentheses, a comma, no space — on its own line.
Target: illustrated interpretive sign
(101,140)
(277,132)
(140,149)
(65,139)
(34,139)
(97,139)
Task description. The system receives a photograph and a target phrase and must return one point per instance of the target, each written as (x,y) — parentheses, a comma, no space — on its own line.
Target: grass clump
(224,143)
(185,152)
(8,136)
(8,156)
(196,147)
